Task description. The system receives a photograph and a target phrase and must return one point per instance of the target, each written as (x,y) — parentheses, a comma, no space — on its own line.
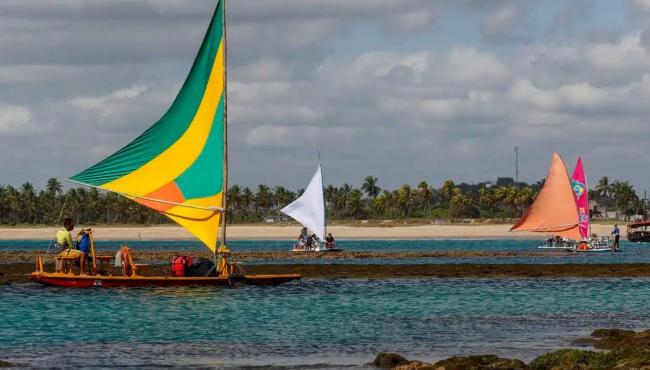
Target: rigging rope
(58,220)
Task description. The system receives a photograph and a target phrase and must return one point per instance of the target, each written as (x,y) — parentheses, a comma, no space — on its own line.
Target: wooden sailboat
(178,167)
(309,211)
(554,211)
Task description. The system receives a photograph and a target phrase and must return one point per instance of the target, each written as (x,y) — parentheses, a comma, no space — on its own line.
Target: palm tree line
(503,199)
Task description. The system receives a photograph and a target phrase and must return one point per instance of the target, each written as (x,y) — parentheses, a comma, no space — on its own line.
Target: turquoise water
(632,252)
(334,322)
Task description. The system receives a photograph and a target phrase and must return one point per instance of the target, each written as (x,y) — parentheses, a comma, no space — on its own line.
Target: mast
(224,190)
(322,183)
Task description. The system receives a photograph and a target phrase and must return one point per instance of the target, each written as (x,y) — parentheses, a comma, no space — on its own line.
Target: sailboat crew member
(617,235)
(64,240)
(329,241)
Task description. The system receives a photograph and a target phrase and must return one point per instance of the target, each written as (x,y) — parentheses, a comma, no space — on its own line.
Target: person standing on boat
(617,235)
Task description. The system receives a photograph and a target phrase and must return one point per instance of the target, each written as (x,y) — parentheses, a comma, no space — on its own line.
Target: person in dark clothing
(617,235)
(329,241)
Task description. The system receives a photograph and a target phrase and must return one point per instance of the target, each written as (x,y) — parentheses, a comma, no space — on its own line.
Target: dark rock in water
(6,364)
(415,365)
(628,350)
(387,360)
(483,362)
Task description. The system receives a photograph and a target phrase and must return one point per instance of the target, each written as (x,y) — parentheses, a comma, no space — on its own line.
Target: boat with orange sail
(178,167)
(561,211)
(554,211)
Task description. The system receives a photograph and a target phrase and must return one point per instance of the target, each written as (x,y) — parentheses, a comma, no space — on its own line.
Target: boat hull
(75,281)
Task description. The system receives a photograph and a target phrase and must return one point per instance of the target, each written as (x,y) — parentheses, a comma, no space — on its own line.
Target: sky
(404,90)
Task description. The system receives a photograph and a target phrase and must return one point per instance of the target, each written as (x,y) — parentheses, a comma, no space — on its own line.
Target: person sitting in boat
(309,244)
(329,241)
(549,242)
(63,245)
(302,239)
(83,245)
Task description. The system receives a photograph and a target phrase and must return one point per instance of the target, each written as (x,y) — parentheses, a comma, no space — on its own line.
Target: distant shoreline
(288,232)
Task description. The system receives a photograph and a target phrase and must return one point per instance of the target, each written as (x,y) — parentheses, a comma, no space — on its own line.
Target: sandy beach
(266,232)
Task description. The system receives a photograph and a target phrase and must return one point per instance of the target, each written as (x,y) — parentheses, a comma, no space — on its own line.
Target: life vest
(583,246)
(180,264)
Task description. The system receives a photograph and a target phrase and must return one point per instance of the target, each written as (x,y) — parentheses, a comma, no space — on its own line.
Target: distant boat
(554,211)
(588,242)
(639,232)
(178,167)
(309,211)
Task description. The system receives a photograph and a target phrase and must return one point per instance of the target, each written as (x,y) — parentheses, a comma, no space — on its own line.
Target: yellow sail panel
(201,223)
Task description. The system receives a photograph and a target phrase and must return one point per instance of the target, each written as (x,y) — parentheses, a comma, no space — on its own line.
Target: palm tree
(487,199)
(354,203)
(426,194)
(405,199)
(625,197)
(463,204)
(247,199)
(447,190)
(54,187)
(604,191)
(27,198)
(370,187)
(382,203)
(525,197)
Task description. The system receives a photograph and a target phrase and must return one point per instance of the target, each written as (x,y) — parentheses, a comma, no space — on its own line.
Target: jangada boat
(561,211)
(178,167)
(309,211)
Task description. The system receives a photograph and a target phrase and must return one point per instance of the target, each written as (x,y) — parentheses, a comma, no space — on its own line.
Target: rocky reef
(619,350)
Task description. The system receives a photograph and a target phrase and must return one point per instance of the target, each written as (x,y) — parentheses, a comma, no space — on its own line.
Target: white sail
(309,208)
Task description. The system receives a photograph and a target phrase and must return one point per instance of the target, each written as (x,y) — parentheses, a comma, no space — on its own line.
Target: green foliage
(573,359)
(27,205)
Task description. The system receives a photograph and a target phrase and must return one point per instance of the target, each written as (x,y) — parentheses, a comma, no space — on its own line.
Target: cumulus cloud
(15,120)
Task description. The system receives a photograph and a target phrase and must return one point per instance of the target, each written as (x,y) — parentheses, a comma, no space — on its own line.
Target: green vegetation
(499,200)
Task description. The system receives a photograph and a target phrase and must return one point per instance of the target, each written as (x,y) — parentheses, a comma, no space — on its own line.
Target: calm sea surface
(333,322)
(632,252)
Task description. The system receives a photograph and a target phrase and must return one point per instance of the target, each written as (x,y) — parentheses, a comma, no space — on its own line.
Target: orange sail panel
(554,210)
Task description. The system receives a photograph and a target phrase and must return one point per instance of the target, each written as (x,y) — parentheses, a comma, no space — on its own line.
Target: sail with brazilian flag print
(176,166)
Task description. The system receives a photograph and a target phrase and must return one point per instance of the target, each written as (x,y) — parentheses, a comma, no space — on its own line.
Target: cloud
(15,120)
(403,90)
(107,105)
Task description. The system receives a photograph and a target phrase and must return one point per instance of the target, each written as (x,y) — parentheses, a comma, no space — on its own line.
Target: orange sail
(554,211)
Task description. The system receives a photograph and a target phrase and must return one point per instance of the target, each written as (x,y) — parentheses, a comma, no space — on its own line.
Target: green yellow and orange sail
(176,166)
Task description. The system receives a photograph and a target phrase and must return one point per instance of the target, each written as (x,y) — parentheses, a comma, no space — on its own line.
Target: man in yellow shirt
(64,245)
(63,236)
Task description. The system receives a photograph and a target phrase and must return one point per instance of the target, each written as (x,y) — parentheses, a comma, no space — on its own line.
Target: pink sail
(579,185)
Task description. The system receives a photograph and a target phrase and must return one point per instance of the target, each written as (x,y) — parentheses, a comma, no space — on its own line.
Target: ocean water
(631,252)
(334,323)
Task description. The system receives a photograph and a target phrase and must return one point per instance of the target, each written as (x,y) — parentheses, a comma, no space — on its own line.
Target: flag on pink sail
(579,185)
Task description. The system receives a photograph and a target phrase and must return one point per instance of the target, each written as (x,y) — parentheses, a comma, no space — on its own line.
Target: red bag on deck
(179,264)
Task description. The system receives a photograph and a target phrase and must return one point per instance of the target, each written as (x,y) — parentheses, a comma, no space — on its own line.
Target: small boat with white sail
(309,211)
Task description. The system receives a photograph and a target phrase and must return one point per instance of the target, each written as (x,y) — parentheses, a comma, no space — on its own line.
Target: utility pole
(516,165)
